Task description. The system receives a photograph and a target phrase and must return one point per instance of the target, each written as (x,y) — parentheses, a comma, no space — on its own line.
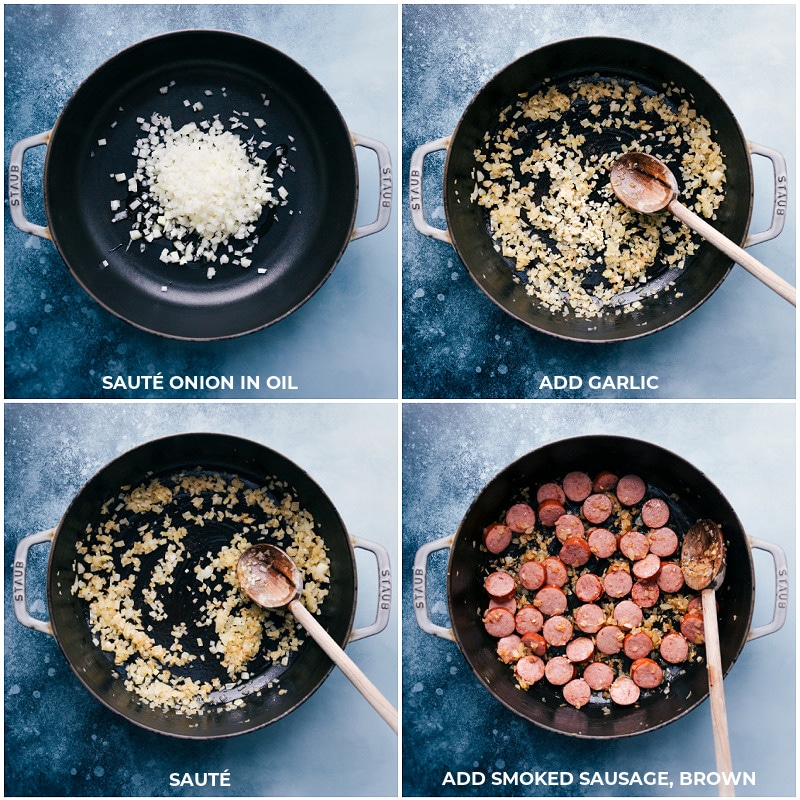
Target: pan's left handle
(20,570)
(15,205)
(781,588)
(421,587)
(385,186)
(384,589)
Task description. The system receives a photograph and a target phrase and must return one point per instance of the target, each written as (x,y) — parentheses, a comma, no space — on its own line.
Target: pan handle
(15,205)
(20,570)
(781,193)
(415,189)
(384,589)
(385,192)
(420,588)
(781,588)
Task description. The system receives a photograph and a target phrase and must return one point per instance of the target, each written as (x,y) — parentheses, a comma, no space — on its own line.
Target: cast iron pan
(307,668)
(557,64)
(299,250)
(691,496)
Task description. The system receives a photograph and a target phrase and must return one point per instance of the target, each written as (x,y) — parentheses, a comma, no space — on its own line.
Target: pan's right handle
(781,194)
(20,570)
(415,189)
(781,588)
(15,184)
(420,587)
(385,177)
(384,589)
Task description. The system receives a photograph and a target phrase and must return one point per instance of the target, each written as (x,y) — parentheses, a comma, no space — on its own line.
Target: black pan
(558,64)
(307,668)
(298,251)
(691,496)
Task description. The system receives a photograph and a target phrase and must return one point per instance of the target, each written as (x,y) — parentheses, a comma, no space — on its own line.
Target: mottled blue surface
(458,344)
(451,722)
(59,740)
(342,343)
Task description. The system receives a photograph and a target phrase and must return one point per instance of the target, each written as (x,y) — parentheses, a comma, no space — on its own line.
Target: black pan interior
(213,452)
(559,63)
(298,251)
(691,496)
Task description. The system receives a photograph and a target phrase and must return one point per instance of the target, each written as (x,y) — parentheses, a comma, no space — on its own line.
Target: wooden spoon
(703,565)
(269,577)
(644,183)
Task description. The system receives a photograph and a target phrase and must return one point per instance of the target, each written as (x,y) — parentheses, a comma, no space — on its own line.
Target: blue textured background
(342,343)
(59,740)
(458,344)
(450,721)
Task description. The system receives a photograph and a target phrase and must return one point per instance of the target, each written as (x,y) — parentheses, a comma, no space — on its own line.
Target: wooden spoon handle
(740,256)
(719,716)
(345,663)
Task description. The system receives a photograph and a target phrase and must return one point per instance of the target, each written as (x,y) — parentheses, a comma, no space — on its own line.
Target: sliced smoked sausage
(580,649)
(624,692)
(637,645)
(567,526)
(550,491)
(532,575)
(559,670)
(692,628)
(556,571)
(630,490)
(557,631)
(529,670)
(510,649)
(647,568)
(551,601)
(670,579)
(577,692)
(497,537)
(646,673)
(499,622)
(597,508)
(663,542)
(575,552)
(628,615)
(588,588)
(674,648)
(528,620)
(500,585)
(536,643)
(598,675)
(602,542)
(617,582)
(589,618)
(645,593)
(577,486)
(609,640)
(550,511)
(604,482)
(655,513)
(634,545)
(520,517)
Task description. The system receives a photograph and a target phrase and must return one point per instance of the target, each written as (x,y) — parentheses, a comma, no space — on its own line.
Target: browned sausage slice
(529,620)
(624,692)
(549,512)
(577,693)
(575,552)
(500,585)
(646,673)
(597,508)
(551,601)
(511,604)
(598,675)
(604,482)
(602,542)
(670,579)
(556,571)
(536,643)
(520,517)
(693,629)
(589,618)
(634,545)
(674,648)
(647,568)
(630,490)
(550,491)
(609,640)
(580,649)
(568,526)
(559,670)
(588,588)
(628,615)
(617,583)
(663,542)
(497,537)
(529,670)
(557,631)
(499,622)
(577,486)
(637,645)
(532,575)
(510,649)
(645,593)
(655,513)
